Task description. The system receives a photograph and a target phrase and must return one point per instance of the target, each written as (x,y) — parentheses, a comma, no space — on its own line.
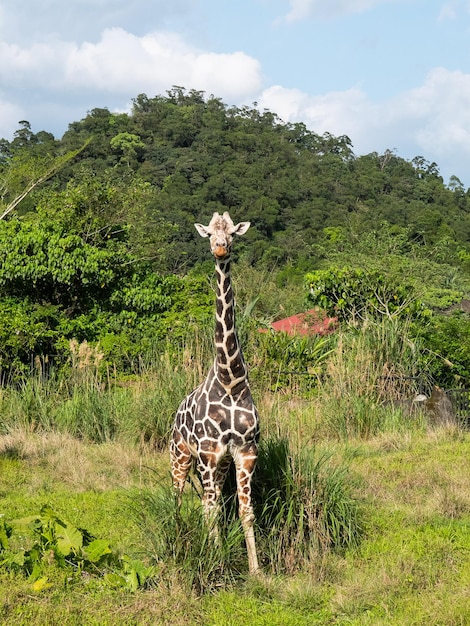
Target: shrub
(446,341)
(355,295)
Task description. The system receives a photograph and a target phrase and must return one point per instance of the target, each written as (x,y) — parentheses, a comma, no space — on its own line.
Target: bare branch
(58,165)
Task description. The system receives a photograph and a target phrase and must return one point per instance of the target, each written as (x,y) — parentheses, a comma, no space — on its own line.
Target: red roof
(311,322)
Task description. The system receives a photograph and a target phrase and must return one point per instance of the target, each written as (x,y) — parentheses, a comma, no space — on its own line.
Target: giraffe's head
(221,230)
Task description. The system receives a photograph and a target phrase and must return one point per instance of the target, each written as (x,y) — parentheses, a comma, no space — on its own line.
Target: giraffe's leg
(245,463)
(181,461)
(210,472)
(220,476)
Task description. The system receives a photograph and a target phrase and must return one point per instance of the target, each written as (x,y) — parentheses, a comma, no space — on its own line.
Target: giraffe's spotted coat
(218,421)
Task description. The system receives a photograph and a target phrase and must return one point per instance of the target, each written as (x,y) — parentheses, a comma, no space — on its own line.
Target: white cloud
(30,65)
(432,120)
(325,9)
(123,63)
(48,20)
(65,79)
(62,79)
(448,11)
(10,115)
(336,112)
(442,107)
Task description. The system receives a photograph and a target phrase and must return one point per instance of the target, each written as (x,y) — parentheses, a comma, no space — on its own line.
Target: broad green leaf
(114,580)
(96,550)
(41,584)
(132,580)
(136,572)
(69,538)
(5,533)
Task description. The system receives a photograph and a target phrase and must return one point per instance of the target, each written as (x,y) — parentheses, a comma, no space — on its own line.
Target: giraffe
(218,421)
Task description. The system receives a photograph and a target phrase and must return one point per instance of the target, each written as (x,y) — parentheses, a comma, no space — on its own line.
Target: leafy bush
(55,541)
(446,339)
(355,295)
(26,329)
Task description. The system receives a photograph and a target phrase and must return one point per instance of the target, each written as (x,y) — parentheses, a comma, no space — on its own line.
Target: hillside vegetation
(97,241)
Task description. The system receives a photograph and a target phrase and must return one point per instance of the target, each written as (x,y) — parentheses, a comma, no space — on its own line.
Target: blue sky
(390,74)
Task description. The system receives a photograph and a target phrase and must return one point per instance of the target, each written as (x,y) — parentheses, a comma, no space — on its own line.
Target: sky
(389,74)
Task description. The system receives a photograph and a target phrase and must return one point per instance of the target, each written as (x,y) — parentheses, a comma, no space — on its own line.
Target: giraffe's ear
(202,230)
(241,228)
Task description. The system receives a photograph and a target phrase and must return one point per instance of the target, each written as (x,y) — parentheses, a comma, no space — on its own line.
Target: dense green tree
(357,296)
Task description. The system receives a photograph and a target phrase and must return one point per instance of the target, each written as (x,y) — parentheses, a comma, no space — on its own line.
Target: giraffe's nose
(220,251)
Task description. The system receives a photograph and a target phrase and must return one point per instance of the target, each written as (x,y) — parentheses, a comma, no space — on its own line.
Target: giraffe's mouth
(220,252)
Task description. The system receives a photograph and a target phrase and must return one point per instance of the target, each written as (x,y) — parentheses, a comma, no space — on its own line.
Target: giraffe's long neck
(229,366)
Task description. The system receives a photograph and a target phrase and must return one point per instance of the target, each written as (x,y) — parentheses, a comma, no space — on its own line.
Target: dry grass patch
(425,474)
(80,465)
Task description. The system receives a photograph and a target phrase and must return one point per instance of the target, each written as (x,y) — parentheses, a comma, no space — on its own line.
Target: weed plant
(54,541)
(29,405)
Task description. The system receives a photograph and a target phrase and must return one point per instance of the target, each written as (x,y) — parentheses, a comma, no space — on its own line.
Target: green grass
(411,566)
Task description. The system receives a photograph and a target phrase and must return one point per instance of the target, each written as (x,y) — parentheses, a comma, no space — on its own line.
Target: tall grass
(279,361)
(350,385)
(161,387)
(180,543)
(93,415)
(88,403)
(369,373)
(305,506)
(29,406)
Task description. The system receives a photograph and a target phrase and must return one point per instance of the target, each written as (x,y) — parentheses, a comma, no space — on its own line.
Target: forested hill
(199,156)
(96,229)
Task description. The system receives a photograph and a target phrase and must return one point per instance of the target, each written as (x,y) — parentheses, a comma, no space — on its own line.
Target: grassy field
(411,566)
(363,509)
